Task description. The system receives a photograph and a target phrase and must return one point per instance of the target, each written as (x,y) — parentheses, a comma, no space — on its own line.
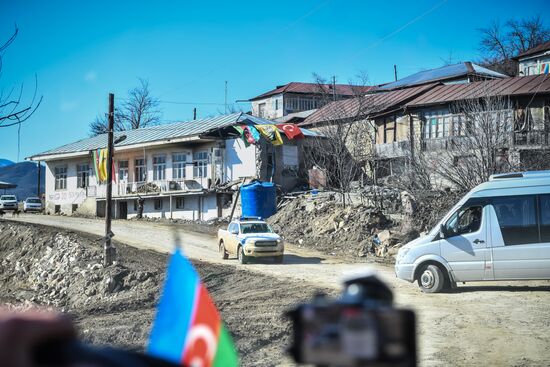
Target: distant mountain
(5,162)
(22,174)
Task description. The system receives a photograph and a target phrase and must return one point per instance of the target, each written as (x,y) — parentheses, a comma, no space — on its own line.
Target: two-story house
(178,170)
(535,61)
(297,97)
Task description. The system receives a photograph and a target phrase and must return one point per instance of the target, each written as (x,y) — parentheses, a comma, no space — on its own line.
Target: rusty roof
(314,88)
(535,50)
(516,86)
(371,105)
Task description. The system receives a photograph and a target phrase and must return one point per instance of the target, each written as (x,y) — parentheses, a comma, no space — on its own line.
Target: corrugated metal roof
(314,88)
(370,105)
(535,50)
(162,133)
(516,86)
(441,74)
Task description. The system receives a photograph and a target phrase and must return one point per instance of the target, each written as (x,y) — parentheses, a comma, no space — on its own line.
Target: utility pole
(395,71)
(109,250)
(38,181)
(225,100)
(334,87)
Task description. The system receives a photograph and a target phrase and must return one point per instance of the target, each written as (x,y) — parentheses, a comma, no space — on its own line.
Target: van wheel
(431,279)
(223,251)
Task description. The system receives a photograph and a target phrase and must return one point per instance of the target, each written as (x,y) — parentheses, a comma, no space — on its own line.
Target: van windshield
(33,201)
(7,197)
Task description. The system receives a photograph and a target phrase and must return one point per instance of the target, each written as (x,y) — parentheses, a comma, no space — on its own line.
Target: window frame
(79,175)
(123,169)
(179,166)
(137,178)
(159,201)
(178,206)
(159,168)
(58,180)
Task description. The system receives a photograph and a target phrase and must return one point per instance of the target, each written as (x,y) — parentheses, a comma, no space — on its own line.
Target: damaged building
(185,170)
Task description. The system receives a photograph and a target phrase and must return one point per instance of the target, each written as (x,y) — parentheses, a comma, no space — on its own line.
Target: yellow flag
(271,133)
(103,165)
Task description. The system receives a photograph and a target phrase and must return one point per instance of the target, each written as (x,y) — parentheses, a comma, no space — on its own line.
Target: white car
(8,202)
(32,204)
(498,231)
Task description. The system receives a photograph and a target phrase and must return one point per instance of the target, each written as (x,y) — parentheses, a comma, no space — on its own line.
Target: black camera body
(360,328)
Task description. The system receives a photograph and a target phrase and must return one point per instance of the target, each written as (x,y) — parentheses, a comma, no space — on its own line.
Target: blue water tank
(259,199)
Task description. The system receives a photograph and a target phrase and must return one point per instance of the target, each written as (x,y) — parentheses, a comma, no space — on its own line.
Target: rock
(384,236)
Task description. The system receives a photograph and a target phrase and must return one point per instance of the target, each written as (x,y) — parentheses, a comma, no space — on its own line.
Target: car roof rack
(246,217)
(528,174)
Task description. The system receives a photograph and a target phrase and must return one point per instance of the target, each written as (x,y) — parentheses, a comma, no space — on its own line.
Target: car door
(523,249)
(465,245)
(232,241)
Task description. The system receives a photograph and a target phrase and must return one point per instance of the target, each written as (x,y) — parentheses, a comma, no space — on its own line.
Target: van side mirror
(443,231)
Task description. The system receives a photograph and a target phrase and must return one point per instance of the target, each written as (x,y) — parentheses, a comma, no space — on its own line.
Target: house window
(61,178)
(140,172)
(82,175)
(276,104)
(123,171)
(158,204)
(178,165)
(261,110)
(180,202)
(135,205)
(159,167)
(200,164)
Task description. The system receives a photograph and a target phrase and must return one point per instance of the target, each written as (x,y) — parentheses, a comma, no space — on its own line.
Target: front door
(465,244)
(123,210)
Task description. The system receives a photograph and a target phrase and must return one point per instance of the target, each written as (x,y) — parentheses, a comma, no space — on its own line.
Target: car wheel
(243,259)
(431,279)
(279,259)
(223,252)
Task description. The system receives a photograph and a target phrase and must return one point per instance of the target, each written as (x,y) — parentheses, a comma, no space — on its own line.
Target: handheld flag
(248,135)
(291,131)
(187,328)
(271,133)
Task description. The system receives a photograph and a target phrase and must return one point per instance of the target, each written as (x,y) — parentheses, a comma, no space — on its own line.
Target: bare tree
(345,151)
(501,42)
(13,109)
(139,109)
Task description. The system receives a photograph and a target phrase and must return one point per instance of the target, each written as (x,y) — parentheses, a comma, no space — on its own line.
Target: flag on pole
(271,133)
(291,131)
(188,329)
(255,133)
(95,157)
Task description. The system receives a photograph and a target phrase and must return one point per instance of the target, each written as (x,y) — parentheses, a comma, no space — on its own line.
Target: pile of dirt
(115,306)
(326,225)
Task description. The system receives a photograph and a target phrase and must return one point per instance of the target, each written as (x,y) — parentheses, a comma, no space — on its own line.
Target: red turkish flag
(291,131)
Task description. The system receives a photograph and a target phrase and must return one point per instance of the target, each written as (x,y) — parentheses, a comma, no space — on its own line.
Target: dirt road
(480,324)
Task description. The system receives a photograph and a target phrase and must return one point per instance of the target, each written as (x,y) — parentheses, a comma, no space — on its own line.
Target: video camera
(360,328)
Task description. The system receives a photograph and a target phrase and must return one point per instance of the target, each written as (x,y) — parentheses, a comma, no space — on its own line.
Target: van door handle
(477,240)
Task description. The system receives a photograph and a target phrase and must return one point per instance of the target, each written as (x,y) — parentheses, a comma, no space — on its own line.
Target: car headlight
(250,240)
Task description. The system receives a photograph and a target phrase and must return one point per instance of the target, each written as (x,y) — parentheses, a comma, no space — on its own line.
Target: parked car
(32,204)
(250,238)
(8,202)
(500,230)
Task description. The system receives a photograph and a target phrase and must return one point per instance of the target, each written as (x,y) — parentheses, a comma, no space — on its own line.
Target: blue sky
(81,51)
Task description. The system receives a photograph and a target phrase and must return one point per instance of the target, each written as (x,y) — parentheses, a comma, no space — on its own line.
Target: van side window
(517,219)
(465,220)
(545,218)
(232,227)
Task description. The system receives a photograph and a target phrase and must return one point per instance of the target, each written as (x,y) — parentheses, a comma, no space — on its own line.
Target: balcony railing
(393,150)
(132,188)
(530,138)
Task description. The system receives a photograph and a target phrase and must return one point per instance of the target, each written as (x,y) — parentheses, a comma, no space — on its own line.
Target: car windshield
(7,197)
(33,201)
(255,228)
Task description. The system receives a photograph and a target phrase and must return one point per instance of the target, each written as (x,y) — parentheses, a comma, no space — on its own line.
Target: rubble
(322,223)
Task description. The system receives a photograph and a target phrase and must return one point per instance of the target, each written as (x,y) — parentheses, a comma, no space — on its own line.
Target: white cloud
(90,76)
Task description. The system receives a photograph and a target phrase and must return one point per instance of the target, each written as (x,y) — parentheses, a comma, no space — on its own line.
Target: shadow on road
(291,259)
(502,288)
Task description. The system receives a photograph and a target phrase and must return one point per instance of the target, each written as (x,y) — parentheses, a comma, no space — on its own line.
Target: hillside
(22,174)
(5,162)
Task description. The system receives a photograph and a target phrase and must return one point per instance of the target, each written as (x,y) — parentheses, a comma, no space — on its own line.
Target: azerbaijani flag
(188,329)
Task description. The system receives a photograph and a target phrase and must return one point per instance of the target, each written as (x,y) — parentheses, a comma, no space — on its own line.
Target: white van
(498,231)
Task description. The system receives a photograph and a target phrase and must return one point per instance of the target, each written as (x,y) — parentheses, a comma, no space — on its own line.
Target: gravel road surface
(487,323)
